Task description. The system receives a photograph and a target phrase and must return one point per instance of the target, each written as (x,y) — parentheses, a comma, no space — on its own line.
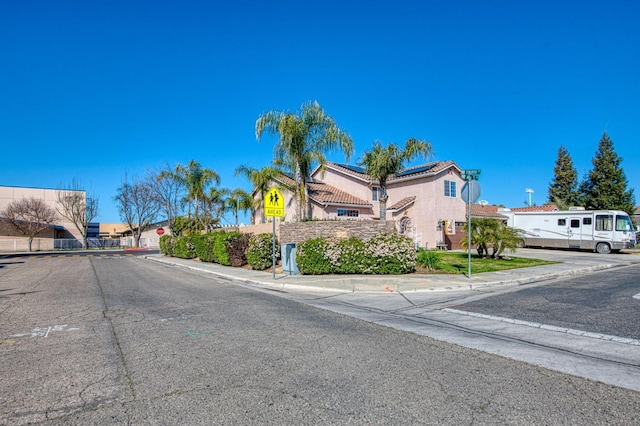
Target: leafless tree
(170,192)
(29,216)
(138,205)
(78,208)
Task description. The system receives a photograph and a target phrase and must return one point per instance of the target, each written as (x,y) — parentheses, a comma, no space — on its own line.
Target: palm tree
(213,207)
(239,200)
(303,137)
(195,179)
(383,162)
(261,180)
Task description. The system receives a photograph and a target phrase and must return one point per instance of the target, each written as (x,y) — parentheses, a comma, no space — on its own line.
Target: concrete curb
(378,283)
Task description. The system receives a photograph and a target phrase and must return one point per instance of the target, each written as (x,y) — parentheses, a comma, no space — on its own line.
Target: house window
(449,188)
(376,192)
(348,213)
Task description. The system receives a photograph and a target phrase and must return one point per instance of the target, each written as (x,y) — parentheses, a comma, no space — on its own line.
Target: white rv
(603,231)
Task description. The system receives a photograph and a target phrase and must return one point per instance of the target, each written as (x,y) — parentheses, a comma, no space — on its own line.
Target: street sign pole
(274,207)
(469,176)
(273,248)
(469,230)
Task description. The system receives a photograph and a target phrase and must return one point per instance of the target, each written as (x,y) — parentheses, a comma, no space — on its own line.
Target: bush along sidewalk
(381,254)
(226,248)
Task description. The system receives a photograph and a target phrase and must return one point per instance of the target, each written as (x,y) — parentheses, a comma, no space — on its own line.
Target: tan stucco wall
(8,194)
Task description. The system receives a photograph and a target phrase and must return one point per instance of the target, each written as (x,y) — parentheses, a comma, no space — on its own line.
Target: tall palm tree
(261,180)
(303,137)
(239,200)
(196,180)
(383,162)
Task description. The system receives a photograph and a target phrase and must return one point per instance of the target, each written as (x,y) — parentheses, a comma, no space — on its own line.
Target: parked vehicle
(603,231)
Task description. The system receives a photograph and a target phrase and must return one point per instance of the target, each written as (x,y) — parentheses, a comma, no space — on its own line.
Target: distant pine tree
(605,186)
(563,189)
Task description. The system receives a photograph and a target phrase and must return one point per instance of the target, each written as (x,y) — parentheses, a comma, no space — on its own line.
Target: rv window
(623,223)
(604,222)
(586,221)
(562,222)
(575,223)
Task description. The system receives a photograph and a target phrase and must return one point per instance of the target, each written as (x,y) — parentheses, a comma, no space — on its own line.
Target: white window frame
(450,188)
(375,193)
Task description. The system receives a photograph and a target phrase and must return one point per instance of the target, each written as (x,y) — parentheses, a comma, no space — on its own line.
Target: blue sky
(99,90)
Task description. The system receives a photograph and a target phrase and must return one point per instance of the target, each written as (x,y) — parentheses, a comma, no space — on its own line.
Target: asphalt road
(602,302)
(120,340)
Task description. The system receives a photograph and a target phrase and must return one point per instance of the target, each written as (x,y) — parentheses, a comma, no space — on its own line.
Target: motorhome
(603,231)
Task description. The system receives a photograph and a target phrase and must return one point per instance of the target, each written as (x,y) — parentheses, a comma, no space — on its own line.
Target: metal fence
(21,244)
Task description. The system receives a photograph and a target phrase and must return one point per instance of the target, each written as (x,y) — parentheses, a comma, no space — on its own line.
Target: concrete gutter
(572,264)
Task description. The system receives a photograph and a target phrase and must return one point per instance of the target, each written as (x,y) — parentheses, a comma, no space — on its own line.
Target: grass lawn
(451,262)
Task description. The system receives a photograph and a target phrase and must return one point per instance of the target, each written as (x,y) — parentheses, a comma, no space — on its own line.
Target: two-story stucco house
(424,201)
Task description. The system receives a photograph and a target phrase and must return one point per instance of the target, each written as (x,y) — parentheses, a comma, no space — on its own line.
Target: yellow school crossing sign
(274,203)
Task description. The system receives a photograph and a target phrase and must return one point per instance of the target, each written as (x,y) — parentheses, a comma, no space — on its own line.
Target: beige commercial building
(12,240)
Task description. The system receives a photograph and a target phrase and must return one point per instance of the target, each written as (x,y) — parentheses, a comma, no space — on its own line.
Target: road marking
(196,334)
(548,327)
(637,296)
(45,331)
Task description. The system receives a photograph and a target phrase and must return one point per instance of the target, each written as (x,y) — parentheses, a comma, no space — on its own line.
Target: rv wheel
(603,248)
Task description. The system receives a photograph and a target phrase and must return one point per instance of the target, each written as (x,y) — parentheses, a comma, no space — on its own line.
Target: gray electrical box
(288,256)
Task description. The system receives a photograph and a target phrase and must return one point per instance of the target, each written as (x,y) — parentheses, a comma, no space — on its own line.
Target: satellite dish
(484,203)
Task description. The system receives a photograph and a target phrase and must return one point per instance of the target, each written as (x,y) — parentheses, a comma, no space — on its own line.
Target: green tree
(606,186)
(261,180)
(383,162)
(563,189)
(214,204)
(303,138)
(196,180)
(237,201)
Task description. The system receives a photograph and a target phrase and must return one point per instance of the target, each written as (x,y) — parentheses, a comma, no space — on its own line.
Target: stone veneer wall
(297,232)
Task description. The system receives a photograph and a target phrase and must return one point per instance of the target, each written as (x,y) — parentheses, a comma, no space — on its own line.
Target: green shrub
(166,245)
(312,257)
(259,251)
(204,247)
(430,259)
(381,254)
(392,254)
(185,248)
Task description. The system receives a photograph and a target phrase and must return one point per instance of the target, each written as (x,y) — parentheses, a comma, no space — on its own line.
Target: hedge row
(381,254)
(226,248)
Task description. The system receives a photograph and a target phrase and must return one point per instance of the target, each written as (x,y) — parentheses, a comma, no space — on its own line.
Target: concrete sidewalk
(572,263)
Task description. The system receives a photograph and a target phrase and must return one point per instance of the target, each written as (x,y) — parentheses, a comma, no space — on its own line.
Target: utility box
(288,256)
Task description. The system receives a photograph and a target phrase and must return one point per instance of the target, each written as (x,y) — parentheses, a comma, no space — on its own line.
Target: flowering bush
(381,254)
(259,251)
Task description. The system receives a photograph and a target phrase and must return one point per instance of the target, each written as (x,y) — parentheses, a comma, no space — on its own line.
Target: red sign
(160,231)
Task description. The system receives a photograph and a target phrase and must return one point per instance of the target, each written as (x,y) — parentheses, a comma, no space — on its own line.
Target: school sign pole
(274,207)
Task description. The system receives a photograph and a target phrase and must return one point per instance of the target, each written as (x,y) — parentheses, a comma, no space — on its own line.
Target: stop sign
(160,231)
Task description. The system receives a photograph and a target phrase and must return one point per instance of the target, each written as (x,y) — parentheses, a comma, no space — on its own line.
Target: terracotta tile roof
(323,193)
(402,203)
(545,208)
(481,211)
(410,172)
